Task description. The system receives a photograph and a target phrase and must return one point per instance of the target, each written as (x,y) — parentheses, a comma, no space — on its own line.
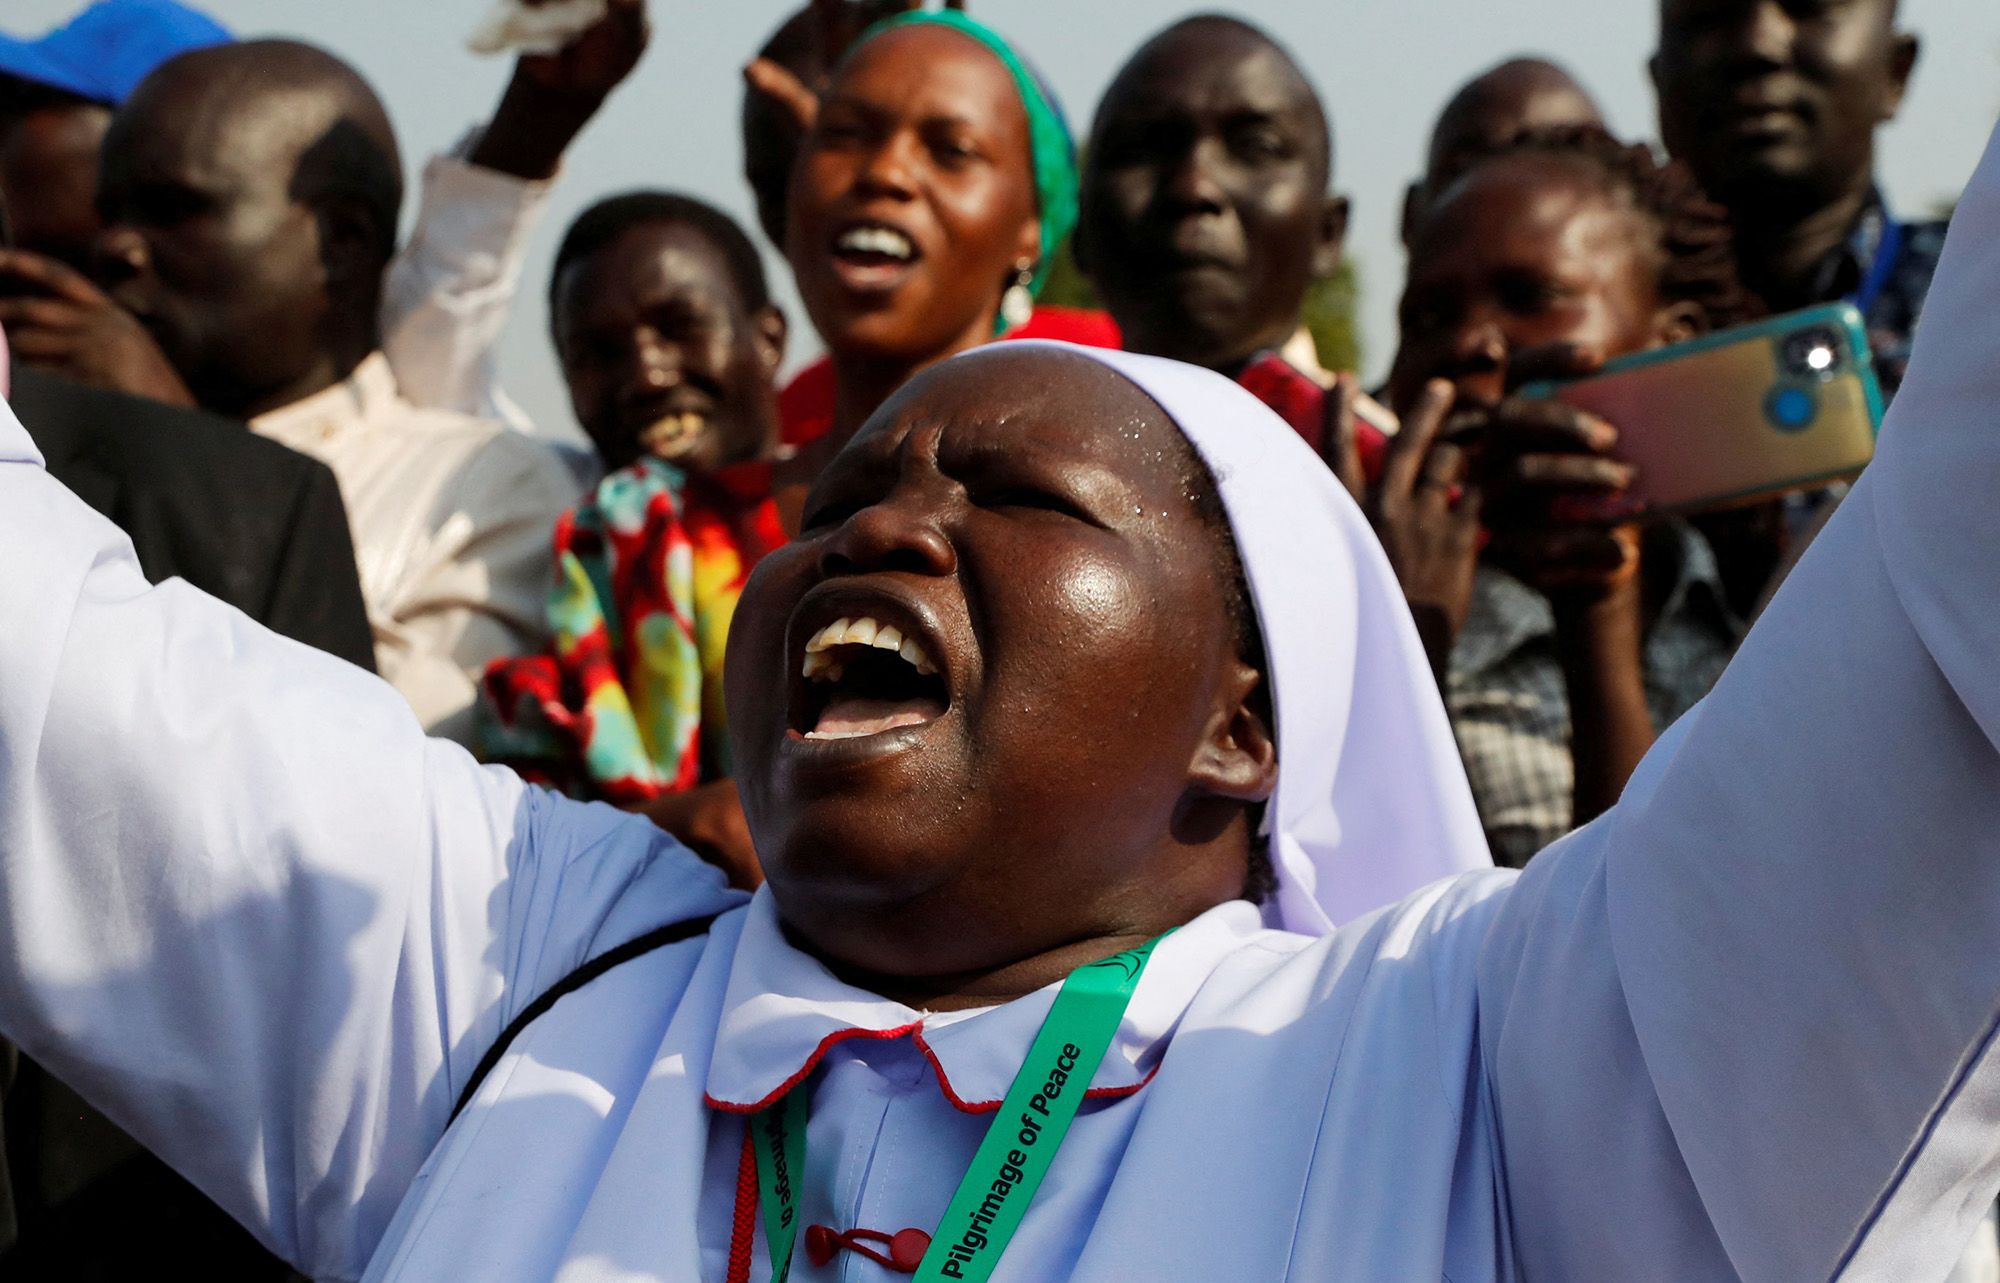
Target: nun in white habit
(1739,1027)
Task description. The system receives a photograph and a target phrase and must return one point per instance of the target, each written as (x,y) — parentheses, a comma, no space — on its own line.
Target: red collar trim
(915,1031)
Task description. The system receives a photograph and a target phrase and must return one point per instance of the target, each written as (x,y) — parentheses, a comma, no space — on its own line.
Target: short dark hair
(612,217)
(1698,249)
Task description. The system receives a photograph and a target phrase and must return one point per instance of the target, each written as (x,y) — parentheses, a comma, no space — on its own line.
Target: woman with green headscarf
(935,182)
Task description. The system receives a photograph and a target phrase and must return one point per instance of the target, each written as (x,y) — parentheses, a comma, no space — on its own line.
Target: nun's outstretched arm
(1749,1015)
(245,906)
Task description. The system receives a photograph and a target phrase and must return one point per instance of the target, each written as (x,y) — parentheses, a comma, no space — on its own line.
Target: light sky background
(1383,69)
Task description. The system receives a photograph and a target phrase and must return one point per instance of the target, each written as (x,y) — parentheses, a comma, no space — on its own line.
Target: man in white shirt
(250,194)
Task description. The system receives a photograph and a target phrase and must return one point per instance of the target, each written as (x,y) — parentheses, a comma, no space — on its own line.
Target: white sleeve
(1748,1017)
(246,907)
(451,290)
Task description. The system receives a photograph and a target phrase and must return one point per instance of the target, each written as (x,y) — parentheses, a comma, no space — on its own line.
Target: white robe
(1742,1025)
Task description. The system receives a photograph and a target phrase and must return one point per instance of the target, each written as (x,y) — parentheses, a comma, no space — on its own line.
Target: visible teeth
(831,635)
(876,240)
(672,431)
(862,631)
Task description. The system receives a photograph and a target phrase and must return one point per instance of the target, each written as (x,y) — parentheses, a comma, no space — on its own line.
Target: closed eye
(1020,498)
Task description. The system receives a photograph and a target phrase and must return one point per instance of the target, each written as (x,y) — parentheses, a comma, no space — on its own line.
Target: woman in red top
(934,183)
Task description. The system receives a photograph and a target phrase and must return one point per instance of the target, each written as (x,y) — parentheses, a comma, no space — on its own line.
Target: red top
(805,407)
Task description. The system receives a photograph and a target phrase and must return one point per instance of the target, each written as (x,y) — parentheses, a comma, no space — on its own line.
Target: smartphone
(1739,415)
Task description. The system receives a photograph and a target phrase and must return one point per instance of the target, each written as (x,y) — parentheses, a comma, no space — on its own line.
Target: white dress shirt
(453,520)
(1740,1026)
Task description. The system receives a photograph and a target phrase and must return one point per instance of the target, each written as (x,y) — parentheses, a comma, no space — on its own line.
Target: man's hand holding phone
(56,320)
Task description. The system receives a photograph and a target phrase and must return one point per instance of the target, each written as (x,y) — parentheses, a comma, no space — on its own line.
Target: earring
(1017,304)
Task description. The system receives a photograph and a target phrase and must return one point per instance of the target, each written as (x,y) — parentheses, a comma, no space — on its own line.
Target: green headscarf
(1049,142)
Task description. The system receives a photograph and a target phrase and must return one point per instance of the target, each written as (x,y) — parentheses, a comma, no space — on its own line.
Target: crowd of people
(293,943)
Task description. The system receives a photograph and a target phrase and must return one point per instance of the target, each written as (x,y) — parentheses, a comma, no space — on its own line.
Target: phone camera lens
(1814,354)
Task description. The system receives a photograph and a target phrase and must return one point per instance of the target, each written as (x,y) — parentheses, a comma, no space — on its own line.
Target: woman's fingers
(1567,472)
(1413,442)
(49,276)
(1339,447)
(777,83)
(1524,425)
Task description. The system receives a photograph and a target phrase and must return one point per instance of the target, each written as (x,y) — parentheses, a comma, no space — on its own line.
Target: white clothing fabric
(1372,800)
(1980,1262)
(449,293)
(516,26)
(1740,1026)
(453,522)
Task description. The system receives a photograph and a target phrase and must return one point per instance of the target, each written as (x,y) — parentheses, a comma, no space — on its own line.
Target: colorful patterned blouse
(628,703)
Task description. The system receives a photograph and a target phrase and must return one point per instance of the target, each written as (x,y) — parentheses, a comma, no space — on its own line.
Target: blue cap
(105,51)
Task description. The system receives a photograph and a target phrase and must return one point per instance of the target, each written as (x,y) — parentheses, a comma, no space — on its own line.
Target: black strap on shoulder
(658,938)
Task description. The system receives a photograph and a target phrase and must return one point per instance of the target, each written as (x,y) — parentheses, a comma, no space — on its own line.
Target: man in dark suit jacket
(238,517)
(261,527)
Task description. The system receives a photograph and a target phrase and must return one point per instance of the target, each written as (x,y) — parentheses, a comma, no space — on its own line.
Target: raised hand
(1421,507)
(552,96)
(597,61)
(57,320)
(836,26)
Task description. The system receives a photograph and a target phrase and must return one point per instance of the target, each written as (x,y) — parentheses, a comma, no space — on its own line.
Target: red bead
(907,1249)
(821,1244)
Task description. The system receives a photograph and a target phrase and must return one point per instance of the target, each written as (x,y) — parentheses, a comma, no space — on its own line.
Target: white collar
(783,1010)
(367,394)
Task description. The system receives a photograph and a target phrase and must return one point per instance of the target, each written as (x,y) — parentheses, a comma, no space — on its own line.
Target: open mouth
(671,436)
(864,677)
(873,256)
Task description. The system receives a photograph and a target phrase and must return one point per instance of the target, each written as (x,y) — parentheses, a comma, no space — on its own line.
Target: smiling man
(1774,104)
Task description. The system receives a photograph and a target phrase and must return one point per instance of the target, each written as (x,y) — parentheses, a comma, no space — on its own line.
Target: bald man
(1490,113)
(1206,213)
(250,194)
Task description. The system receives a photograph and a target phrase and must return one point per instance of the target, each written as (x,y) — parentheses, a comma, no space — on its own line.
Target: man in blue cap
(57,93)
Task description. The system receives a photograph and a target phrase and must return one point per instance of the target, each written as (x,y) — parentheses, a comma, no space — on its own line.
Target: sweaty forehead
(1044,406)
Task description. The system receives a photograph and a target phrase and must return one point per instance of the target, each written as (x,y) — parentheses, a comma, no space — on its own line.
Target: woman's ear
(1237,758)
(1676,323)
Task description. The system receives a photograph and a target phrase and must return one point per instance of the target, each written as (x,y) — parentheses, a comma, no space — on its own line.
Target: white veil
(1372,801)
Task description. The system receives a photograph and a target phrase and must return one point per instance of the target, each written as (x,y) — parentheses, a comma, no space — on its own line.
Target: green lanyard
(1020,1142)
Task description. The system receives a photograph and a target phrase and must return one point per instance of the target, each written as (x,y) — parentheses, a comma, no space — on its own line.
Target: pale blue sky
(1384,69)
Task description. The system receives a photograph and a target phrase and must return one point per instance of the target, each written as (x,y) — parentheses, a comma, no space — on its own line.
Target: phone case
(1738,415)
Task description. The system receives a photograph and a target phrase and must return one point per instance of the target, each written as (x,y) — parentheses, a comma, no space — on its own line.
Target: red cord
(744,1223)
(906,1247)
